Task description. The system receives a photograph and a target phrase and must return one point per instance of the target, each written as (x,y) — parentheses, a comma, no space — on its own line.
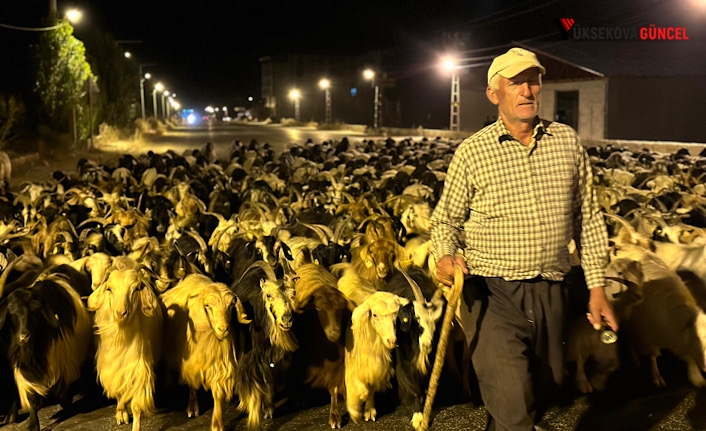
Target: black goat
(266,342)
(49,334)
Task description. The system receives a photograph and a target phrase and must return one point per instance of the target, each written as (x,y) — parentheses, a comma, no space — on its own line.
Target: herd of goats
(264,275)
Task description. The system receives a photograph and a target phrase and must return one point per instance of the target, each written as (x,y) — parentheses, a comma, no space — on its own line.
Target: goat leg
(695,376)
(192,410)
(334,417)
(582,382)
(654,370)
(121,414)
(217,415)
(33,421)
(268,409)
(370,412)
(136,416)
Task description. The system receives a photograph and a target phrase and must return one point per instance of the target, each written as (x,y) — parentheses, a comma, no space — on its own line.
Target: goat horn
(629,284)
(320,231)
(269,272)
(418,295)
(622,221)
(6,273)
(198,239)
(242,315)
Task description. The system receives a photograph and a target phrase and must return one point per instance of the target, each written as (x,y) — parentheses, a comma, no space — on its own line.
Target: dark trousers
(516,341)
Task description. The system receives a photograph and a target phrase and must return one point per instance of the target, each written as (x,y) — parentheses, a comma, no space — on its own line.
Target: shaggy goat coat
(368,359)
(128,321)
(199,342)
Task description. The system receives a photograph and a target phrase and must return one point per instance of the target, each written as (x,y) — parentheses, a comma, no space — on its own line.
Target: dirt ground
(36,168)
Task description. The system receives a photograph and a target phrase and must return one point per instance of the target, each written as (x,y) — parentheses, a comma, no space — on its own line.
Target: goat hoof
(370,415)
(334,420)
(122,417)
(584,386)
(417,419)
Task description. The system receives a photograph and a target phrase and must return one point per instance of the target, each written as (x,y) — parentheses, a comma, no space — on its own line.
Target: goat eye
(269,297)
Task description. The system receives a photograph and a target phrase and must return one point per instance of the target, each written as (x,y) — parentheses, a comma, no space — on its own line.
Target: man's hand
(445,268)
(599,310)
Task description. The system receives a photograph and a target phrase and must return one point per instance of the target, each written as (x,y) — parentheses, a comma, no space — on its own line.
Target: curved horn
(242,315)
(269,272)
(418,295)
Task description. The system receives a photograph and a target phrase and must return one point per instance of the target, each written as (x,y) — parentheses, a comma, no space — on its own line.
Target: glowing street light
(295,95)
(157,87)
(450,64)
(74,15)
(369,75)
(325,84)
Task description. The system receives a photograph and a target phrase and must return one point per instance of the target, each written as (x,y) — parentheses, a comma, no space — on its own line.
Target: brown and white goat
(322,316)
(368,359)
(199,342)
(128,320)
(668,317)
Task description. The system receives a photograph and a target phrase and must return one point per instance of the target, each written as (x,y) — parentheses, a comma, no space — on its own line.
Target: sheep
(321,319)
(368,358)
(199,342)
(128,321)
(268,340)
(50,335)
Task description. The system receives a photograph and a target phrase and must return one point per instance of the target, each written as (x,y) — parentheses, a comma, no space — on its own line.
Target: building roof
(613,58)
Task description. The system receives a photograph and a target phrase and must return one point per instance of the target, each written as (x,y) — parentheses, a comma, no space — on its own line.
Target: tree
(62,82)
(11,112)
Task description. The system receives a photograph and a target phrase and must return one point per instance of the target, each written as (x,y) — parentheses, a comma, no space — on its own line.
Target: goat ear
(366,257)
(149,301)
(95,299)
(3,313)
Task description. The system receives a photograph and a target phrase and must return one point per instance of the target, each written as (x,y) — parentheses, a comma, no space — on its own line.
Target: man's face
(518,97)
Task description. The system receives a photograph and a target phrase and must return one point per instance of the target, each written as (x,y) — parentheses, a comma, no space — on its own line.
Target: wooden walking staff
(449,315)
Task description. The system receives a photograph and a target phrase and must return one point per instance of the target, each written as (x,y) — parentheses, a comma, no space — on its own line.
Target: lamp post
(369,75)
(325,84)
(165,93)
(157,87)
(450,64)
(295,95)
(143,78)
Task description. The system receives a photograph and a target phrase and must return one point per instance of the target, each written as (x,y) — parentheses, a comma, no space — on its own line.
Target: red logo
(567,23)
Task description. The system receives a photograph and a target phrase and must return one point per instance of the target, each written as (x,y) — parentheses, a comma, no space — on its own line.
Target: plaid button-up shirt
(513,209)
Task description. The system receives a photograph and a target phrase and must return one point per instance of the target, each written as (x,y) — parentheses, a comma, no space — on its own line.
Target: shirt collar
(540,129)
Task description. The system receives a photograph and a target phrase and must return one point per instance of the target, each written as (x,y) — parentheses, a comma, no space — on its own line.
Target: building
(627,90)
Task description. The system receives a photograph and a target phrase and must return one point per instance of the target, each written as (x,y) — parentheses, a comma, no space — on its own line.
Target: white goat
(128,321)
(199,342)
(368,360)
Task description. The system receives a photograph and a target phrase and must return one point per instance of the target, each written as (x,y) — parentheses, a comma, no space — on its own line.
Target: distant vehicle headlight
(191,119)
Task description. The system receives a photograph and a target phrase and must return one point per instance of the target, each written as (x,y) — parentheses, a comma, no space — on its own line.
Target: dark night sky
(207,50)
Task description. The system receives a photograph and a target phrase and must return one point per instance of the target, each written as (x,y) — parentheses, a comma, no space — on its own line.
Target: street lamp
(74,16)
(295,95)
(369,75)
(325,84)
(157,87)
(450,64)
